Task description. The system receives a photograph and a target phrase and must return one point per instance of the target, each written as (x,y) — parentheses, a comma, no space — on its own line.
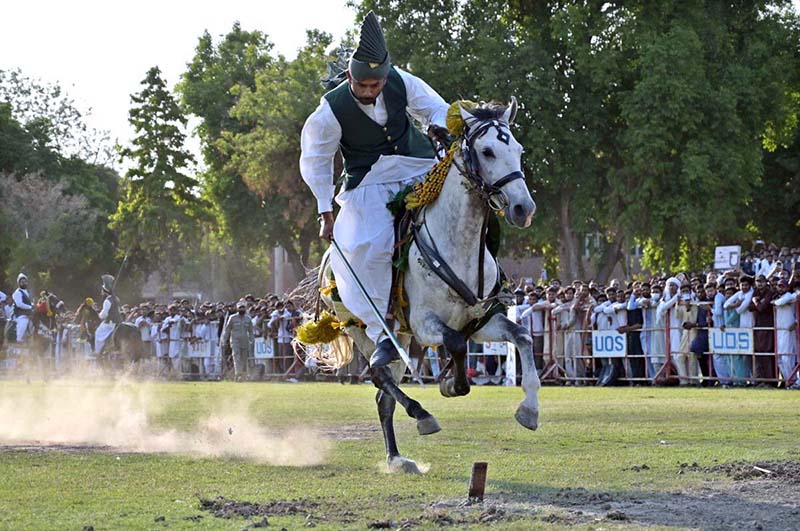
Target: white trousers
(787,348)
(101,335)
(22,326)
(364,230)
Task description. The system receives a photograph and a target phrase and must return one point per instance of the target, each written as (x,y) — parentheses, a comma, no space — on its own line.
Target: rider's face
(367,90)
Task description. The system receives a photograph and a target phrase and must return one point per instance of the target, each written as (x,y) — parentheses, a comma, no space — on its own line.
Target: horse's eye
(488,153)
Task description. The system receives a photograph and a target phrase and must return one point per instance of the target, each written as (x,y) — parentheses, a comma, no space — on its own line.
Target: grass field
(581,470)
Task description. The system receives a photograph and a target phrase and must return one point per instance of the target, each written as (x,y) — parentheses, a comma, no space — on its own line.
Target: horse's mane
(488,111)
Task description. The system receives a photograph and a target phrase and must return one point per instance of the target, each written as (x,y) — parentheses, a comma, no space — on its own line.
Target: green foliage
(636,116)
(209,89)
(48,110)
(157,217)
(57,200)
(267,155)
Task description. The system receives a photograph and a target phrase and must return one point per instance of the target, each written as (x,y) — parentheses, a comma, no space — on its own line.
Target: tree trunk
(612,254)
(569,248)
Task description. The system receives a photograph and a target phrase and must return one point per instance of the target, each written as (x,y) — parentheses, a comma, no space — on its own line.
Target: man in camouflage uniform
(238,332)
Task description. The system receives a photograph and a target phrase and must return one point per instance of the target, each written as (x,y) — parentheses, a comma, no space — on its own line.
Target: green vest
(364,141)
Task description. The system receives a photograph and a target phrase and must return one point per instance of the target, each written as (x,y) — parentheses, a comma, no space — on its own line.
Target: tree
(636,115)
(209,89)
(267,155)
(83,248)
(157,220)
(47,108)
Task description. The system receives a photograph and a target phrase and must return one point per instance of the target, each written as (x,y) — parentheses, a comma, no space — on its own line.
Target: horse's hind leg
(500,328)
(382,379)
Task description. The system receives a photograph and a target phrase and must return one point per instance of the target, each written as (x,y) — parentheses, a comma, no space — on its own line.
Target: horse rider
(87,319)
(367,117)
(109,315)
(23,306)
(238,332)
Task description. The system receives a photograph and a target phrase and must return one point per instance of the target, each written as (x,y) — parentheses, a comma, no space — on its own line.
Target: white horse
(450,269)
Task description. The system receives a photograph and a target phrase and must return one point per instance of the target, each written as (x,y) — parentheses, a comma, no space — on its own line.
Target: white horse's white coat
(454,222)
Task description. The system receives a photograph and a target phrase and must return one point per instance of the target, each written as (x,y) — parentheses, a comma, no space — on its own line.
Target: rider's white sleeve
(319,142)
(423,103)
(106,310)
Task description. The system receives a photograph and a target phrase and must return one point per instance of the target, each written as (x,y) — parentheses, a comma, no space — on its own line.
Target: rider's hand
(440,134)
(326,226)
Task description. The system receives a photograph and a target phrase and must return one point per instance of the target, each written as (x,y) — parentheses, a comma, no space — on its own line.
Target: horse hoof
(401,464)
(444,390)
(449,388)
(528,417)
(429,425)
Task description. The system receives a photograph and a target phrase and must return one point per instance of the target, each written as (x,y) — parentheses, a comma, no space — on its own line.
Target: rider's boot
(384,354)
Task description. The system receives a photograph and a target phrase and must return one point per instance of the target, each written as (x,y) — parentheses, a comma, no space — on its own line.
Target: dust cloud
(119,415)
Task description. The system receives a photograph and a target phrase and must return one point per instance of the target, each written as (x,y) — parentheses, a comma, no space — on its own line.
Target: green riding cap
(371,58)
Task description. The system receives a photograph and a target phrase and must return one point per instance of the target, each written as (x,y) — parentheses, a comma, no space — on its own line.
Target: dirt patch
(781,471)
(354,432)
(42,448)
(770,502)
(755,500)
(222,507)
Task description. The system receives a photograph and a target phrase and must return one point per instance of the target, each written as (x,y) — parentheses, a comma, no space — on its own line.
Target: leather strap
(443,271)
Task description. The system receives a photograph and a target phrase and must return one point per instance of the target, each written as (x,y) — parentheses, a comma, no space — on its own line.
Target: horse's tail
(325,341)
(331,355)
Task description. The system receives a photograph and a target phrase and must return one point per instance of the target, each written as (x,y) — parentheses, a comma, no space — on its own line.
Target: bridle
(491,193)
(494,199)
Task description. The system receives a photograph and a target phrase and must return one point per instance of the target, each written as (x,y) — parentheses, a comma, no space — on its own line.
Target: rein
(494,199)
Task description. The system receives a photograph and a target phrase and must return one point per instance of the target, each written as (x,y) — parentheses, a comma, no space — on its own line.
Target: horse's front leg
(456,345)
(500,328)
(430,330)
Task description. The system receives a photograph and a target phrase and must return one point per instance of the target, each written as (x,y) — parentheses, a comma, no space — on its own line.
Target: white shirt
(599,316)
(105,310)
(786,314)
(173,325)
(533,318)
(742,303)
(3,297)
(143,324)
(322,132)
(17,296)
(618,311)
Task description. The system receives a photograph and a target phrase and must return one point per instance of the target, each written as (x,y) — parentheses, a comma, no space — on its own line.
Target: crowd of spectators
(667,318)
(168,331)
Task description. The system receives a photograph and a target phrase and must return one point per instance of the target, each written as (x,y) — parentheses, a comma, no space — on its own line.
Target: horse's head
(494,160)
(56,305)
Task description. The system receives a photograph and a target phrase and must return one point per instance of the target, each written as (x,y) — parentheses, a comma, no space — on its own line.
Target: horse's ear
(467,116)
(511,111)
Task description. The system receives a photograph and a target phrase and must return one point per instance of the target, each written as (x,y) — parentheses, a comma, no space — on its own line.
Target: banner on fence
(495,348)
(264,348)
(727,256)
(608,344)
(731,341)
(200,349)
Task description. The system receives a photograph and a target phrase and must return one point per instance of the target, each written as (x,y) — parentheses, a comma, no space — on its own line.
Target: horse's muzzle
(520,214)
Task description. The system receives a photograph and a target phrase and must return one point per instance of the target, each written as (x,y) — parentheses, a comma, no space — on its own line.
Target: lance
(386,328)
